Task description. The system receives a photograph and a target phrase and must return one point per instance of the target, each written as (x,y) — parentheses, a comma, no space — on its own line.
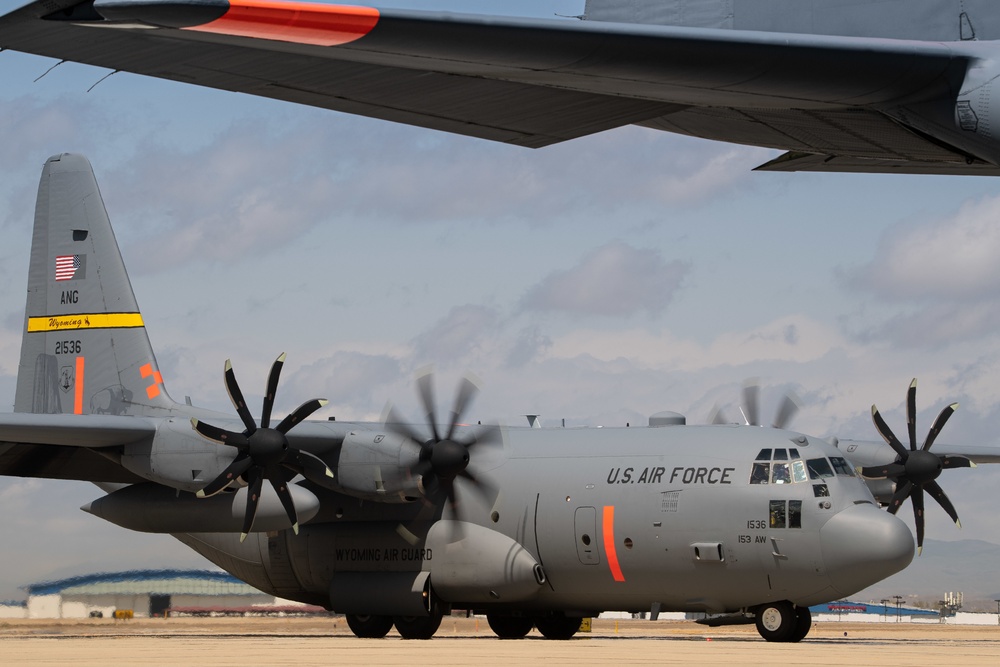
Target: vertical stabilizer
(85,348)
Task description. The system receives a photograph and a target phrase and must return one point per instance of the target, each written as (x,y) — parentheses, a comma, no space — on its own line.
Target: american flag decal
(67,266)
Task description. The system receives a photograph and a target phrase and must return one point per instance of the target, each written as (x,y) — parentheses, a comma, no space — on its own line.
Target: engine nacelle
(152,508)
(177,456)
(375,465)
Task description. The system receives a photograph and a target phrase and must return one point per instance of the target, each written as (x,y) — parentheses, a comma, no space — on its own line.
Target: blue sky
(600,280)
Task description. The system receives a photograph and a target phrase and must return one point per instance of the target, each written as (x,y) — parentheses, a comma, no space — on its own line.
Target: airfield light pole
(885,609)
(899,600)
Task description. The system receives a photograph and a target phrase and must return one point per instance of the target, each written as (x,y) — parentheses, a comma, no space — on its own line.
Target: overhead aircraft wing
(519,81)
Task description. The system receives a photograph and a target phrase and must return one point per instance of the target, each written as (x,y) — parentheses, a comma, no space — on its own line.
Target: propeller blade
(300,413)
(395,423)
(425,387)
(281,488)
(272,388)
(239,466)
(789,407)
(751,402)
(939,423)
(716,416)
(957,462)
(221,436)
(313,468)
(236,396)
(485,488)
(467,391)
(911,414)
(902,493)
(888,435)
(253,498)
(942,499)
(878,472)
(917,499)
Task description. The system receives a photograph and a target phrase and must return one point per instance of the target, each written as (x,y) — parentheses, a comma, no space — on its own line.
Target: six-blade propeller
(264,452)
(445,456)
(751,408)
(916,469)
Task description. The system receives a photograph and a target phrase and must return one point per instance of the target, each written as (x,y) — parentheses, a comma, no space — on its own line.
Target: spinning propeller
(915,470)
(751,408)
(445,456)
(264,452)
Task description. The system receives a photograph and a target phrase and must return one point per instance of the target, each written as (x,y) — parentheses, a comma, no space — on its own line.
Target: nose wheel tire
(509,627)
(777,621)
(369,626)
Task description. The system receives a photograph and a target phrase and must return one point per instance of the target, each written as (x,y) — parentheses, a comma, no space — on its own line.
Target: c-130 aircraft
(394,524)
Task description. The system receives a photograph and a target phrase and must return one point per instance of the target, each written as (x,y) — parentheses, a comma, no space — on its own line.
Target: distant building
(144,593)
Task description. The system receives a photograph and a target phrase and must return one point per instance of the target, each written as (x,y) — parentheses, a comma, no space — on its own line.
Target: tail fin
(85,348)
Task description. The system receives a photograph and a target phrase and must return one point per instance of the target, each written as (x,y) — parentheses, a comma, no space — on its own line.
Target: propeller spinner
(445,456)
(264,452)
(915,470)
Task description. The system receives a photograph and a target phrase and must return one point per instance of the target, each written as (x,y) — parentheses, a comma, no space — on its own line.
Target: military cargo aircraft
(889,86)
(393,524)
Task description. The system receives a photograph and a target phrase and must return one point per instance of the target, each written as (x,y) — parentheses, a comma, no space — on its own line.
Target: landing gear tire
(369,626)
(558,627)
(418,627)
(776,622)
(509,627)
(803,623)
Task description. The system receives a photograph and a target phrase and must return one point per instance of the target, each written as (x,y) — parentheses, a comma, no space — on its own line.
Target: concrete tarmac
(327,641)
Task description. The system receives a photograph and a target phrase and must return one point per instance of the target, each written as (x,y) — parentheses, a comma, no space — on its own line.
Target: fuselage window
(760,473)
(781,455)
(794,513)
(819,468)
(780,474)
(841,466)
(821,490)
(777,514)
(799,471)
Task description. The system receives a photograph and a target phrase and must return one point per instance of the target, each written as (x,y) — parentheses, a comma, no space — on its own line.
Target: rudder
(84,348)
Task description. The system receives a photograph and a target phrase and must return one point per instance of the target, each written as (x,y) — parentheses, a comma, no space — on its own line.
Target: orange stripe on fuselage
(609,543)
(299,22)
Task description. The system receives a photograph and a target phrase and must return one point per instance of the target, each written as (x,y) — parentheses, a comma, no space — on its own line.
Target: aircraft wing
(526,82)
(63,446)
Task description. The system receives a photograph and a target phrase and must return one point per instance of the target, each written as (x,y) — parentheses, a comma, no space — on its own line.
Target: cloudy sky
(596,281)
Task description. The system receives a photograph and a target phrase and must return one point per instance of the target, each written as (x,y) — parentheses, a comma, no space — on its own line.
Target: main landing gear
(783,622)
(505,626)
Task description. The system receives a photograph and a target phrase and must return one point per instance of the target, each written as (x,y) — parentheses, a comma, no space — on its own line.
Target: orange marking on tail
(78,392)
(298,22)
(609,543)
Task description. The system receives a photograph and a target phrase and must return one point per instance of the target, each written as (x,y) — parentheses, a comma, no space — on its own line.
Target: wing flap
(795,161)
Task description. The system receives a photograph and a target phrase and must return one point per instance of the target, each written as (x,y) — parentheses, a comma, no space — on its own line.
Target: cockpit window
(760,473)
(819,468)
(793,453)
(781,455)
(841,466)
(799,471)
(765,455)
(780,474)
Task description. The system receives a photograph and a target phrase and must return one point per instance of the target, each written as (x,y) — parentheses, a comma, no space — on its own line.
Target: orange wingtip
(298,22)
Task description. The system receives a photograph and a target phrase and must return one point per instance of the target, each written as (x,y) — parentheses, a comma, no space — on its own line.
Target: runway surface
(469,642)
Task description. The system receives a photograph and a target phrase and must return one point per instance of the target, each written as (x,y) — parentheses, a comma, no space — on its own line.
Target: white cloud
(953,258)
(616,280)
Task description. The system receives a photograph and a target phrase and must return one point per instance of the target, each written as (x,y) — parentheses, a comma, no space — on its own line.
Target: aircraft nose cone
(863,545)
